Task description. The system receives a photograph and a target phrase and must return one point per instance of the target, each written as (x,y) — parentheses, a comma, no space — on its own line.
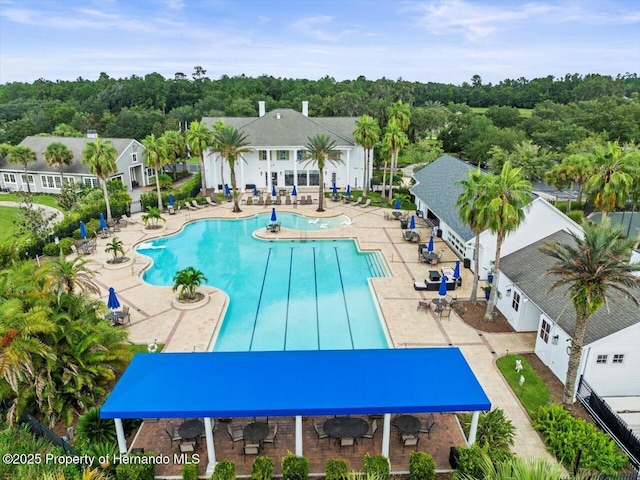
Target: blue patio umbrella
(83,230)
(412,222)
(348,190)
(255,191)
(430,246)
(294,192)
(398,203)
(334,190)
(227,191)
(456,270)
(171,199)
(103,222)
(273,215)
(112,301)
(273,191)
(442,291)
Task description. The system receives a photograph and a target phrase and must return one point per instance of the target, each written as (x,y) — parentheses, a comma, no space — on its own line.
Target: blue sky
(430,40)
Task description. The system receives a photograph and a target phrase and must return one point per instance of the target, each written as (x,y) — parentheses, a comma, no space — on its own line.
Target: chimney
(92,134)
(305,108)
(261,110)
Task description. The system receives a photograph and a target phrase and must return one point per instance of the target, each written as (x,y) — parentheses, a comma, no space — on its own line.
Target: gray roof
(438,188)
(526,268)
(291,129)
(76,144)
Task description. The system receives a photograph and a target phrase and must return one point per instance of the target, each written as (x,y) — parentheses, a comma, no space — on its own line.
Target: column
(473,429)
(295,168)
(214,171)
(299,435)
(208,430)
(268,172)
(349,168)
(122,441)
(386,430)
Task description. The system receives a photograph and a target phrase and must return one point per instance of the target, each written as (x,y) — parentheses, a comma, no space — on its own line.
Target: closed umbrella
(103,222)
(227,191)
(412,223)
(294,192)
(273,191)
(430,246)
(456,270)
(398,203)
(442,291)
(171,199)
(83,230)
(112,301)
(273,215)
(255,191)
(334,190)
(348,190)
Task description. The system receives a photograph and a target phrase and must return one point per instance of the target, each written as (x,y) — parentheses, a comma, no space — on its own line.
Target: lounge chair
(249,200)
(196,204)
(260,200)
(358,202)
(309,200)
(367,203)
(278,200)
(268,200)
(172,211)
(189,206)
(210,201)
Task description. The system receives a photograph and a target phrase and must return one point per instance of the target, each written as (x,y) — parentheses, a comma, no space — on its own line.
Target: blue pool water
(284,294)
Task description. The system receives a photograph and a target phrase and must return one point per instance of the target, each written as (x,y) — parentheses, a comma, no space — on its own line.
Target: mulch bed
(473,315)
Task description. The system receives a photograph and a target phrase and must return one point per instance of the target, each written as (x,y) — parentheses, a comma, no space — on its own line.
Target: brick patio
(445,433)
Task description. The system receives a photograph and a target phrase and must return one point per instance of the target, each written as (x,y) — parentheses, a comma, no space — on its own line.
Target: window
(91,182)
(515,303)
(283,155)
(9,177)
(544,331)
(49,181)
(314,177)
(299,154)
(262,155)
(151,172)
(602,359)
(288,178)
(69,181)
(24,179)
(618,358)
(302,179)
(334,177)
(134,158)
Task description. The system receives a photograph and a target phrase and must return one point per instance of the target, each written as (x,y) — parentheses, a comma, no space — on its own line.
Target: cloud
(174,4)
(311,26)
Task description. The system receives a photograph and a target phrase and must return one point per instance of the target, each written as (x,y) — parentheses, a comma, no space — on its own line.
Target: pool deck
(154,315)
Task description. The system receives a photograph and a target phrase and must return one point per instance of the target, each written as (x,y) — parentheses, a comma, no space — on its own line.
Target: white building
(277,139)
(46,179)
(611,353)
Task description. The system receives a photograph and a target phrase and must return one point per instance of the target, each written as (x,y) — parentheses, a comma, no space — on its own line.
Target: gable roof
(526,268)
(291,129)
(437,187)
(76,144)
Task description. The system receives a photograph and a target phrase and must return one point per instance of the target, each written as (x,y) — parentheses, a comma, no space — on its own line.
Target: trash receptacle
(467,263)
(404,224)
(439,233)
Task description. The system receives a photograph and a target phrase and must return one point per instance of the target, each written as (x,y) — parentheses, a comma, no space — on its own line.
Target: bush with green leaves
(93,429)
(136,471)
(566,436)
(224,470)
(190,471)
(422,466)
(470,461)
(377,466)
(262,468)
(495,430)
(336,469)
(295,467)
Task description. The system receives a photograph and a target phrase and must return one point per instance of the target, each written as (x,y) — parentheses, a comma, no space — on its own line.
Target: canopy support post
(474,428)
(386,430)
(211,452)
(122,441)
(299,435)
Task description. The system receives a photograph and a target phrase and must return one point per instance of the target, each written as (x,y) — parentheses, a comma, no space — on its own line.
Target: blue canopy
(398,203)
(294,192)
(255,191)
(273,191)
(334,190)
(227,190)
(224,384)
(442,291)
(456,270)
(348,190)
(430,246)
(83,230)
(112,301)
(412,223)
(171,199)
(273,214)
(103,222)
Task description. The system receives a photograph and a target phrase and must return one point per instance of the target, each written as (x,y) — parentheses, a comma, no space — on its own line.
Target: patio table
(440,302)
(191,429)
(407,425)
(397,214)
(255,432)
(345,427)
(115,317)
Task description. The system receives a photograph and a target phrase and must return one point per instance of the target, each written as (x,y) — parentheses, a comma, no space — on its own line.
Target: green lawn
(534,393)
(40,199)
(142,347)
(524,112)
(8,215)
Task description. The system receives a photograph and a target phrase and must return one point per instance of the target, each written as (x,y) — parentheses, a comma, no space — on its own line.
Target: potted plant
(487,292)
(152,217)
(490,273)
(115,248)
(185,283)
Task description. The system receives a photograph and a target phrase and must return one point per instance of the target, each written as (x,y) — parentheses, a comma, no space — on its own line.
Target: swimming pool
(284,294)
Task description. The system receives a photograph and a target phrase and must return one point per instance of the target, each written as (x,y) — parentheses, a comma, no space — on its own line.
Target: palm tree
(512,469)
(556,176)
(367,134)
(612,178)
(176,149)
(320,150)
(231,144)
(152,217)
(596,270)
(116,248)
(199,138)
(156,152)
(69,276)
(470,212)
(57,154)
(580,168)
(401,113)
(186,281)
(23,156)
(101,157)
(503,208)
(394,140)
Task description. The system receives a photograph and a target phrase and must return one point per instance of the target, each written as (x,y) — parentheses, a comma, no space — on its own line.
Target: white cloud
(312,26)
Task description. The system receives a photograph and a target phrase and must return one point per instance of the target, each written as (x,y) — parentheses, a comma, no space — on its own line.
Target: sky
(446,41)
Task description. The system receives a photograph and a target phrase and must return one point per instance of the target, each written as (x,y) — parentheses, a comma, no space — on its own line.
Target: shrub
(566,436)
(377,466)
(51,249)
(294,467)
(93,429)
(576,215)
(262,468)
(495,431)
(421,466)
(134,471)
(224,470)
(470,460)
(65,245)
(336,469)
(190,471)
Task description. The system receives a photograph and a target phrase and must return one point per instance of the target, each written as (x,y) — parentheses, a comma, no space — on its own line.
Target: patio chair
(251,449)
(423,305)
(309,200)
(172,211)
(127,315)
(268,200)
(187,447)
(260,200)
(445,313)
(261,419)
(74,250)
(236,434)
(287,200)
(196,204)
(278,200)
(348,442)
(409,441)
(210,201)
(367,203)
(426,428)
(387,216)
(372,430)
(249,200)
(320,433)
(271,438)
(174,436)
(189,206)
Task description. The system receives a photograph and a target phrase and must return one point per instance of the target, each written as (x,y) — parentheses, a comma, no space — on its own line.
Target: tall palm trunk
(580,188)
(365,186)
(476,267)
(384,180)
(234,192)
(106,198)
(321,191)
(582,320)
(158,191)
(26,177)
(394,162)
(222,172)
(570,196)
(491,303)
(61,176)
(203,183)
